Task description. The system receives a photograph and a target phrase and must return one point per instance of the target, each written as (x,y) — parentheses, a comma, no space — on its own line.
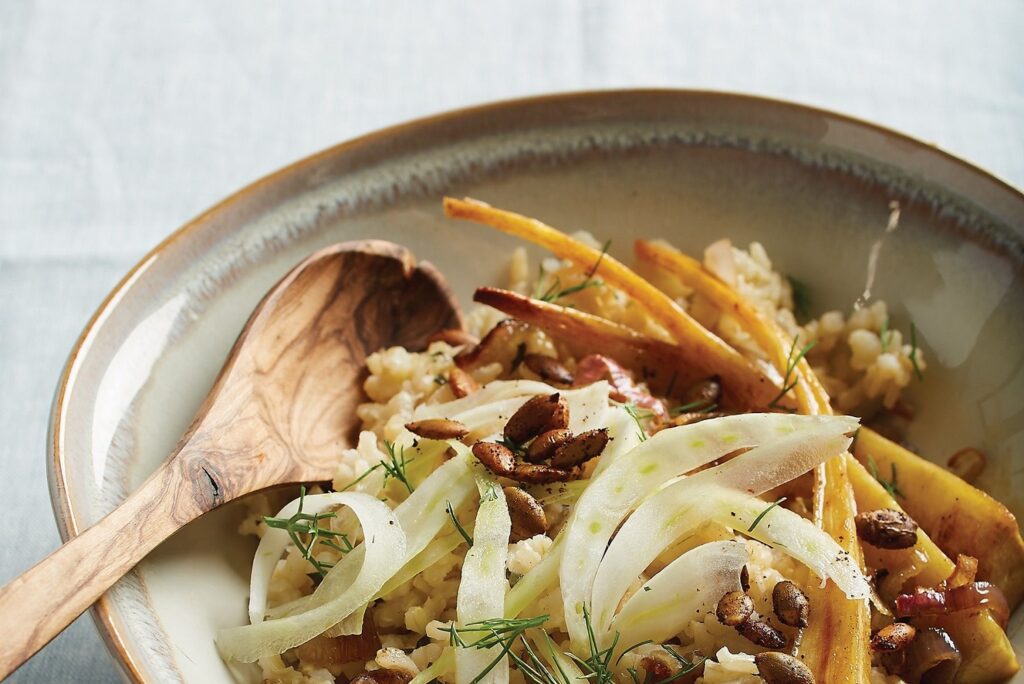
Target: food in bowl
(652,475)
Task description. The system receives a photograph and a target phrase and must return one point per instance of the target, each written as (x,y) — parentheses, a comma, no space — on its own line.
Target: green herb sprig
(556,292)
(685,666)
(760,516)
(394,467)
(698,406)
(496,632)
(638,415)
(597,666)
(535,670)
(490,493)
(792,360)
(458,526)
(885,333)
(493,632)
(504,633)
(305,532)
(890,486)
(913,352)
(801,298)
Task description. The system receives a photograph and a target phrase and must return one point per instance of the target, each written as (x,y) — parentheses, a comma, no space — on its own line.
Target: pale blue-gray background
(121,120)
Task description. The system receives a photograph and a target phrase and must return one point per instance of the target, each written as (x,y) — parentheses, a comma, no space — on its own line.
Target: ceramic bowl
(814,187)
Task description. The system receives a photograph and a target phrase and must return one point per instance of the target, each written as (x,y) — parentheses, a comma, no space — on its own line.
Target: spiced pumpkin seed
(537,473)
(543,448)
(757,631)
(580,449)
(541,413)
(734,608)
(528,518)
(887,528)
(548,368)
(437,428)
(782,668)
(498,458)
(790,604)
(461,383)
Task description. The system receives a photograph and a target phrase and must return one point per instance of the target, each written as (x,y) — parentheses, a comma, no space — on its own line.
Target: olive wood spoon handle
(39,604)
(280,412)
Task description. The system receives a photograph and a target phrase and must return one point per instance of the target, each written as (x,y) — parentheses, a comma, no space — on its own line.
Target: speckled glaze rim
(67,520)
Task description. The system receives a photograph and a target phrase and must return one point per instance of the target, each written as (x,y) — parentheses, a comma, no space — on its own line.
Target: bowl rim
(67,521)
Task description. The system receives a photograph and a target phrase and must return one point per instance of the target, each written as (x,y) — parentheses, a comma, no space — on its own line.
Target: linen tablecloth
(120,120)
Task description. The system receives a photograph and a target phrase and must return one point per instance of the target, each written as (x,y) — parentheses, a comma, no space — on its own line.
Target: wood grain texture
(280,412)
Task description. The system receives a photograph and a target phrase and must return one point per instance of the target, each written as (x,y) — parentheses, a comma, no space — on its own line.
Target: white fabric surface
(120,120)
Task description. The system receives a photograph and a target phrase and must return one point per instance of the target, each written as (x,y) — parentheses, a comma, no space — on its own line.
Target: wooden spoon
(280,412)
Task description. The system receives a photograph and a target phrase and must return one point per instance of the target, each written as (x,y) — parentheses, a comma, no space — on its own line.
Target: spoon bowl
(284,405)
(279,413)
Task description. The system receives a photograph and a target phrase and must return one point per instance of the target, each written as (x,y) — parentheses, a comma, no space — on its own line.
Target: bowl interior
(690,168)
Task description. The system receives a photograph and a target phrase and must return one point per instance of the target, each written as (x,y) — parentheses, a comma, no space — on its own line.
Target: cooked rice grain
(524,555)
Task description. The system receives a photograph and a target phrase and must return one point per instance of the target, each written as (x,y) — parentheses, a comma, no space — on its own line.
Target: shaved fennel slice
(624,437)
(567,669)
(496,401)
(482,412)
(353,622)
(633,475)
(424,513)
(482,587)
(688,587)
(440,548)
(544,575)
(587,406)
(434,552)
(583,400)
(674,511)
(421,516)
(438,669)
(487,419)
(498,390)
(384,540)
(795,536)
(272,546)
